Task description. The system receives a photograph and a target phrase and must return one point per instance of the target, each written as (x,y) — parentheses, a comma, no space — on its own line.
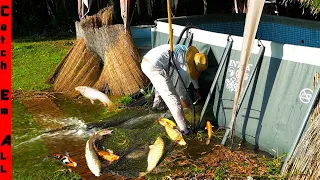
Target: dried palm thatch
(122,60)
(79,67)
(103,17)
(305,161)
(316,110)
(314,5)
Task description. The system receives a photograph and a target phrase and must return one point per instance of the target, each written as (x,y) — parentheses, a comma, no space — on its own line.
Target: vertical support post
(222,62)
(260,57)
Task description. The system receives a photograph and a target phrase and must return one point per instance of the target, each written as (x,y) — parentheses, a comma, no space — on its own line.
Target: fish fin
(205,127)
(92,101)
(208,141)
(67,154)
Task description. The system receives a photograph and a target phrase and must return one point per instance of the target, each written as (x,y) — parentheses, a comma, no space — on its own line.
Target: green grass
(33,62)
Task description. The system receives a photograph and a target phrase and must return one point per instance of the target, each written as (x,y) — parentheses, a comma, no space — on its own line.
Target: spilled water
(73,132)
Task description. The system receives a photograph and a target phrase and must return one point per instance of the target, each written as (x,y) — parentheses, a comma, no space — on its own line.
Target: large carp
(94,94)
(173,133)
(92,159)
(154,156)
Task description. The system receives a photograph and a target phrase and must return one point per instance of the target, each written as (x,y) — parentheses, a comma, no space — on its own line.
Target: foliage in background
(314,5)
(48,18)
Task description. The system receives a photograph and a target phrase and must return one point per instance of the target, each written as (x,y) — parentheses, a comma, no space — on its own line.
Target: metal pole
(260,57)
(302,127)
(222,62)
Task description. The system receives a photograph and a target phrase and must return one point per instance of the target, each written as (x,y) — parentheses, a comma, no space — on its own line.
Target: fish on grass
(106,155)
(155,153)
(162,121)
(209,129)
(173,134)
(64,159)
(91,156)
(94,94)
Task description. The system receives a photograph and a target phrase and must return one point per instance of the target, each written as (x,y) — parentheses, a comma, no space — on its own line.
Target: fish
(165,120)
(64,159)
(94,94)
(106,155)
(155,153)
(91,156)
(174,134)
(209,129)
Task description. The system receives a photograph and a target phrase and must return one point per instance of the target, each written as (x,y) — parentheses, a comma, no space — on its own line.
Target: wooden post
(250,29)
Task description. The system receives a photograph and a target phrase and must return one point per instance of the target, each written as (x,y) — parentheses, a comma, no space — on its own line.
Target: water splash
(73,129)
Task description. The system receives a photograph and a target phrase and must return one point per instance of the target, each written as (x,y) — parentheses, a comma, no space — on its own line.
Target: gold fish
(155,154)
(107,155)
(175,135)
(165,120)
(92,159)
(209,129)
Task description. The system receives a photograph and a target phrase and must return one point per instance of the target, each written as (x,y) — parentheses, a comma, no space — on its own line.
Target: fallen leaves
(220,162)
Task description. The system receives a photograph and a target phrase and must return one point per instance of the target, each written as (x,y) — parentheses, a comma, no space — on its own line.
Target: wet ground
(44,125)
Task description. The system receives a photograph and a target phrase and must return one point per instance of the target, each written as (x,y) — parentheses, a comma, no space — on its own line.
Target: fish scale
(155,153)
(92,159)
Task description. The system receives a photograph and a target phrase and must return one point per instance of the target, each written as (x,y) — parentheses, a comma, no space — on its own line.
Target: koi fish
(94,94)
(209,129)
(165,120)
(174,134)
(92,159)
(154,156)
(107,155)
(64,159)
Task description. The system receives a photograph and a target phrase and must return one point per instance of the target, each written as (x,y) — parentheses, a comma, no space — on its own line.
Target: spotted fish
(64,159)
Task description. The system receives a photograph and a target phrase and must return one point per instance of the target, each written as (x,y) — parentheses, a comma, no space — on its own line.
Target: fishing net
(122,60)
(305,161)
(80,67)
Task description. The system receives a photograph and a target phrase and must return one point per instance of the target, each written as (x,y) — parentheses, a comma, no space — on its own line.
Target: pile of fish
(91,153)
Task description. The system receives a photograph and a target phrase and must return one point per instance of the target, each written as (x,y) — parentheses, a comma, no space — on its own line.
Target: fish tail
(208,141)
